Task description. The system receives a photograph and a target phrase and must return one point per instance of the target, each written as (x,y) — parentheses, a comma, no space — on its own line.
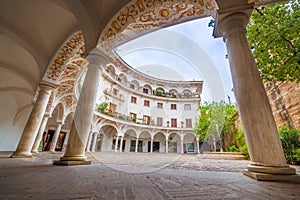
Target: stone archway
(174,140)
(189,143)
(129,140)
(144,141)
(159,142)
(139,17)
(109,138)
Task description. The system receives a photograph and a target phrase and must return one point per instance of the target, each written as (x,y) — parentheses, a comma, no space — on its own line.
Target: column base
(33,151)
(295,178)
(275,170)
(21,155)
(72,160)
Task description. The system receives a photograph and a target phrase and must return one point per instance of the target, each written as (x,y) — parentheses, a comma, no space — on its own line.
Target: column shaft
(94,142)
(75,152)
(116,145)
(167,146)
(261,134)
(40,135)
(66,140)
(182,150)
(33,123)
(88,146)
(198,146)
(121,145)
(136,144)
(151,148)
(55,137)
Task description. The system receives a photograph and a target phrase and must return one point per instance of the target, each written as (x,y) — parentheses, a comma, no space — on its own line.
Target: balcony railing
(141,121)
(154,92)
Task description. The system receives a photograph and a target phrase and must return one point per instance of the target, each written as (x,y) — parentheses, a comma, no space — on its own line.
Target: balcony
(114,116)
(155,92)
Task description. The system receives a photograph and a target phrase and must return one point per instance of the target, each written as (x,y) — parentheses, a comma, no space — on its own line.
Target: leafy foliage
(290,139)
(220,120)
(273,34)
(102,107)
(241,142)
(210,120)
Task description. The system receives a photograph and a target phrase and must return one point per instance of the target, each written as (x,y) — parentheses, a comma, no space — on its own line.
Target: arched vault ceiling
(43,25)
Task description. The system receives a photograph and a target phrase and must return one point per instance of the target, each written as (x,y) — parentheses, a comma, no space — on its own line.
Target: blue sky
(191,41)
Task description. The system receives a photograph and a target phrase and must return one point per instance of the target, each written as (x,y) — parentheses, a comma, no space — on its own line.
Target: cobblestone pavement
(135,176)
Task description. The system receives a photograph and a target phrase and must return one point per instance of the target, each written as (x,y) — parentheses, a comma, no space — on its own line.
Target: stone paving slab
(38,179)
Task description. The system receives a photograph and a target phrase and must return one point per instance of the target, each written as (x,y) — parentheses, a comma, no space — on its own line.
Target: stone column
(261,134)
(136,144)
(121,145)
(55,137)
(33,123)
(66,140)
(116,144)
(75,152)
(151,148)
(88,146)
(198,146)
(181,142)
(40,135)
(167,146)
(94,142)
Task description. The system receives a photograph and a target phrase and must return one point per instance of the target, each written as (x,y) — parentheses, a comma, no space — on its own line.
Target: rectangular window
(133,99)
(133,117)
(159,105)
(187,107)
(146,119)
(132,86)
(159,121)
(146,103)
(173,106)
(115,91)
(188,123)
(145,90)
(112,108)
(173,122)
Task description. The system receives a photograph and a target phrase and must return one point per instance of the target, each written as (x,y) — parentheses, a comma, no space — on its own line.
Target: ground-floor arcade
(136,139)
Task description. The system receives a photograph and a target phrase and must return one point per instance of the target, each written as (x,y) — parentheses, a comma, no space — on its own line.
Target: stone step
(223,155)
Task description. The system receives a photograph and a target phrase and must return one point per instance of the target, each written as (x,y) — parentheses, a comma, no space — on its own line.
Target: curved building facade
(139,113)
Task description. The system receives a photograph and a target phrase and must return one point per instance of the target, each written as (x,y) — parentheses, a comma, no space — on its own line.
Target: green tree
(203,122)
(273,34)
(229,129)
(290,140)
(210,124)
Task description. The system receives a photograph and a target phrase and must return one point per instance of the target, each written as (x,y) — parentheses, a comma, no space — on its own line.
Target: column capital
(47,86)
(226,21)
(98,57)
(60,123)
(47,115)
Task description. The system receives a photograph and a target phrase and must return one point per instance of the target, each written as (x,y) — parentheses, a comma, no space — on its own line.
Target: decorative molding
(144,15)
(73,46)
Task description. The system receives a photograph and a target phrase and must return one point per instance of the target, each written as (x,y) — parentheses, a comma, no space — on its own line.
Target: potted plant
(102,107)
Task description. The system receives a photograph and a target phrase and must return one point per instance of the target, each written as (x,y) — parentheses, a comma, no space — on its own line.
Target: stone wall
(284,98)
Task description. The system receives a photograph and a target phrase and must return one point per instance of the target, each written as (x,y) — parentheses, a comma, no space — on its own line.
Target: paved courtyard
(135,176)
